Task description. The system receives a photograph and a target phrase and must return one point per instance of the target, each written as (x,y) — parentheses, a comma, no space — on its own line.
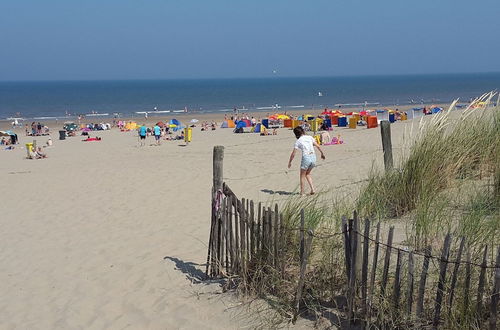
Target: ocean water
(70,98)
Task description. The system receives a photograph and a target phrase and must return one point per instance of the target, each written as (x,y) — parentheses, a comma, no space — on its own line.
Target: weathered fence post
(218,158)
(213,248)
(442,279)
(423,280)
(495,295)
(303,264)
(385,130)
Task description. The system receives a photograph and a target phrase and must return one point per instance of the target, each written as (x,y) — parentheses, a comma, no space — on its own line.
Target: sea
(128,98)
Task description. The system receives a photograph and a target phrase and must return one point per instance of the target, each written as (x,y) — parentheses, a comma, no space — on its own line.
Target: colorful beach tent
(258,128)
(228,124)
(241,124)
(175,125)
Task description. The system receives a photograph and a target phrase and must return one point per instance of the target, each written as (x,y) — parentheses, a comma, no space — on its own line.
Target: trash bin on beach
(29,149)
(62,135)
(188,133)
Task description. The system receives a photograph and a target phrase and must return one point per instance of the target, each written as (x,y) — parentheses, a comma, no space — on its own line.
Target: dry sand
(108,235)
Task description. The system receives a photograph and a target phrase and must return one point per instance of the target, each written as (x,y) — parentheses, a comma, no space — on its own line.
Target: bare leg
(302,181)
(309,180)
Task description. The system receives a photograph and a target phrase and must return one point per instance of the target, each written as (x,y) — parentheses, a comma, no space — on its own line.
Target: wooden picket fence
(383,284)
(380,278)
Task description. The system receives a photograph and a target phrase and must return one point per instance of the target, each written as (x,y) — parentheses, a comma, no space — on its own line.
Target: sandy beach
(109,235)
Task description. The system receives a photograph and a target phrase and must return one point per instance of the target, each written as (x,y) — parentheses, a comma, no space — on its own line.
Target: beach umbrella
(283,117)
(161,124)
(194,121)
(2,133)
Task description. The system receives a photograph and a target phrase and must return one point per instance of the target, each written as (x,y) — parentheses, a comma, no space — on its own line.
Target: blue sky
(162,39)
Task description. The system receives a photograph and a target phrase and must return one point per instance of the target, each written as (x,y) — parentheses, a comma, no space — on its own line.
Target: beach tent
(241,124)
(247,122)
(228,124)
(436,109)
(175,125)
(258,128)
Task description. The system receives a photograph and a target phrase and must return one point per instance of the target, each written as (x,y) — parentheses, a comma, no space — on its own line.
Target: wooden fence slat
(282,246)
(237,246)
(495,295)
(364,270)
(411,280)
(303,264)
(482,280)
(347,247)
(468,270)
(422,282)
(301,234)
(397,282)
(387,260)
(210,244)
(442,280)
(269,235)
(374,266)
(243,237)
(258,242)
(276,228)
(229,210)
(223,245)
(454,276)
(351,298)
(247,232)
(357,232)
(252,230)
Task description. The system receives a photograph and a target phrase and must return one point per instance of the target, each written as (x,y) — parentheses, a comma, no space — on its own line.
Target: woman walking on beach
(306,144)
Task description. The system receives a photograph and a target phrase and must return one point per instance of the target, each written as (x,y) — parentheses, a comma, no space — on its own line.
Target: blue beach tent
(258,128)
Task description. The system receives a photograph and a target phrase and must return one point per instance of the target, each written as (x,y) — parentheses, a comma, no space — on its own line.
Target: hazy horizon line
(250,78)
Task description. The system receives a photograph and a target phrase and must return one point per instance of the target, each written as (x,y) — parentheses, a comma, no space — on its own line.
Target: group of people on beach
(37,129)
(158,133)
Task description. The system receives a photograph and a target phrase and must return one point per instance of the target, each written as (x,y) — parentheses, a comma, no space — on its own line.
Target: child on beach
(306,144)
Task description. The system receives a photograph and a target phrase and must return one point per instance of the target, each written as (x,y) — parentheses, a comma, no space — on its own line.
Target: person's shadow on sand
(279,192)
(193,274)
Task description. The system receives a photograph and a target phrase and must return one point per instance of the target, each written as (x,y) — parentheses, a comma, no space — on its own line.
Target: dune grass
(447,181)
